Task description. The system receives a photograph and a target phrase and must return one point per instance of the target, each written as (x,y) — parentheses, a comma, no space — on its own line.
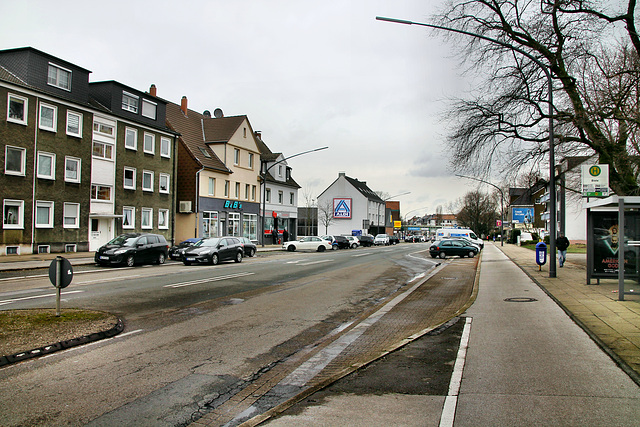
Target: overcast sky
(308,74)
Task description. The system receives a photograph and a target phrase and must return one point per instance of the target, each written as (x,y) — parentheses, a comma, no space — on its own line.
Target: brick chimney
(153,91)
(183,105)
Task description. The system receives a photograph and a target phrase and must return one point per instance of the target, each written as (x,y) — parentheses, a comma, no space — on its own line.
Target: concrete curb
(62,345)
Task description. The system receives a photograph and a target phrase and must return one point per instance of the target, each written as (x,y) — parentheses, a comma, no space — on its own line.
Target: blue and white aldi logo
(342,208)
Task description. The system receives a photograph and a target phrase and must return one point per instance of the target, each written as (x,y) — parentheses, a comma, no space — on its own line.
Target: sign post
(60,275)
(595,180)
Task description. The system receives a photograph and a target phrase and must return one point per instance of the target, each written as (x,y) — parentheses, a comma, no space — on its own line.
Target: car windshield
(123,240)
(208,242)
(381,236)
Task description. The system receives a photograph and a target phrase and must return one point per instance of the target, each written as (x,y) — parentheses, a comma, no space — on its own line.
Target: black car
(393,239)
(366,240)
(250,248)
(451,247)
(133,248)
(176,252)
(213,250)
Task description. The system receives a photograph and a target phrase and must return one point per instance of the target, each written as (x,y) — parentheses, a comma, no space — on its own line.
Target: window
(59,77)
(46,165)
(72,169)
(267,195)
(131,139)
(128,217)
(44,249)
(14,160)
(212,186)
(147,181)
(253,192)
(209,224)
(149,143)
(17,111)
(129,178)
(237,190)
(280,197)
(13,250)
(13,214)
(226,188)
(205,152)
(44,214)
(291,198)
(102,150)
(100,192)
(48,117)
(236,156)
(165,147)
(74,124)
(71,215)
(149,109)
(246,191)
(250,161)
(129,102)
(70,247)
(147,218)
(103,128)
(163,219)
(250,226)
(280,170)
(163,183)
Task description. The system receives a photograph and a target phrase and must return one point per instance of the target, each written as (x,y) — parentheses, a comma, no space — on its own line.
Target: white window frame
(280,197)
(25,109)
(134,133)
(212,186)
(130,102)
(236,156)
(292,198)
(150,174)
(100,127)
(132,217)
(247,188)
(57,81)
(77,133)
(124,178)
(226,188)
(49,220)
(20,215)
(152,139)
(70,247)
(253,192)
(237,190)
(102,150)
(250,161)
(165,147)
(163,214)
(52,172)
(146,218)
(267,195)
(78,162)
(23,160)
(54,124)
(149,109)
(73,208)
(164,177)
(96,189)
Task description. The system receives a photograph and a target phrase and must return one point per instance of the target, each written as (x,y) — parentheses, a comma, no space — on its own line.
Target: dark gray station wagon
(133,248)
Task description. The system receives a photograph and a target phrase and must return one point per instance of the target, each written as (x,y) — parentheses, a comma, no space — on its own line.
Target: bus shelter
(613,239)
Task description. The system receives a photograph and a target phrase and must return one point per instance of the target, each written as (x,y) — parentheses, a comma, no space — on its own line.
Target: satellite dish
(217,113)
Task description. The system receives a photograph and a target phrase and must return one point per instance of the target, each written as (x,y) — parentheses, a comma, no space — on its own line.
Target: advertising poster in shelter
(606,243)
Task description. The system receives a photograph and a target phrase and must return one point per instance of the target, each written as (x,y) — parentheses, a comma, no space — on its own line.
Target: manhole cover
(520,299)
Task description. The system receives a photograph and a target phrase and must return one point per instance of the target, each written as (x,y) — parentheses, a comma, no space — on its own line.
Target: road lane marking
(451,401)
(107,279)
(210,279)
(10,301)
(357,255)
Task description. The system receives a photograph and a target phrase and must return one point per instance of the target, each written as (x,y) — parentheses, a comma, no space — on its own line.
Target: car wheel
(130,261)
(471,254)
(214,259)
(442,255)
(238,257)
(161,258)
(334,247)
(291,248)
(354,246)
(252,252)
(321,248)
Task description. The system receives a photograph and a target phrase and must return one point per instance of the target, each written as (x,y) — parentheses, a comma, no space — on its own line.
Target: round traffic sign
(65,275)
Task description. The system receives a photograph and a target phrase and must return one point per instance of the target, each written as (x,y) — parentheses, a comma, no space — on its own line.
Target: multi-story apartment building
(65,154)
(217,175)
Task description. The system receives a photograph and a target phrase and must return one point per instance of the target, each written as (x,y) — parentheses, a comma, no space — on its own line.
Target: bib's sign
(229,204)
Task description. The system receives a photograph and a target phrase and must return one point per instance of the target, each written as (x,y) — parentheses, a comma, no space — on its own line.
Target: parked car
(213,250)
(133,248)
(468,242)
(366,240)
(250,248)
(411,238)
(307,243)
(393,240)
(337,242)
(452,247)
(381,239)
(176,252)
(353,241)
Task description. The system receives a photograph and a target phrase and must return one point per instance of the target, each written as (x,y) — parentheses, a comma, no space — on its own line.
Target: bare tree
(591,50)
(325,214)
(479,212)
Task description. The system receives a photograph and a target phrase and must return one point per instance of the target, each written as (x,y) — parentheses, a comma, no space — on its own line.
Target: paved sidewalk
(613,324)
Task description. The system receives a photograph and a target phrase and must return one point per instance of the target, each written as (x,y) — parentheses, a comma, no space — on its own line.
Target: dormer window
(59,77)
(129,102)
(149,109)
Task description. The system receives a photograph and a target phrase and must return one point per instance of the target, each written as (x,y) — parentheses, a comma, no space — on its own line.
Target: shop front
(276,224)
(218,217)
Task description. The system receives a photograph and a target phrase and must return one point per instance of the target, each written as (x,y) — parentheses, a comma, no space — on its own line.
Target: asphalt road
(192,333)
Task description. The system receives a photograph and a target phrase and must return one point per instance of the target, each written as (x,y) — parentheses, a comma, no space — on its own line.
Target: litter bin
(541,254)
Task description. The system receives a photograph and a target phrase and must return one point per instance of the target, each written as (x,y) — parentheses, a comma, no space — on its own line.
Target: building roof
(361,186)
(222,129)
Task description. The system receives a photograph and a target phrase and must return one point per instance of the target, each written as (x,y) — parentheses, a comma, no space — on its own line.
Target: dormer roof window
(59,77)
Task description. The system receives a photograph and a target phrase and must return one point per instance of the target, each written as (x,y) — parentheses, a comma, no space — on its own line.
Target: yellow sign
(397,224)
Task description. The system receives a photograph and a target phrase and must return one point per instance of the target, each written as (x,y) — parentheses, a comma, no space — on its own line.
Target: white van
(443,233)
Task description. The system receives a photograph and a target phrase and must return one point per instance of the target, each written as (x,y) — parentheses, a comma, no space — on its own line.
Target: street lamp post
(547,71)
(264,170)
(384,201)
(501,204)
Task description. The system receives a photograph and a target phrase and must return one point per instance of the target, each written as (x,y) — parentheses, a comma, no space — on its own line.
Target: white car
(353,241)
(310,243)
(381,239)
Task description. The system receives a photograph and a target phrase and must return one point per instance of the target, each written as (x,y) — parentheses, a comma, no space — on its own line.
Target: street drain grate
(520,299)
